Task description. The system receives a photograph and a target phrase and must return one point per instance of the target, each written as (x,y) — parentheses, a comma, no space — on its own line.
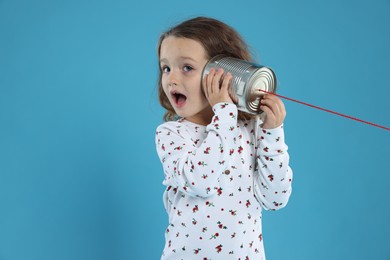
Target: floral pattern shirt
(218,179)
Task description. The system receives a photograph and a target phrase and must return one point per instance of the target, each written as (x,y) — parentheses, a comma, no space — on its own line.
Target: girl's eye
(187,68)
(165,69)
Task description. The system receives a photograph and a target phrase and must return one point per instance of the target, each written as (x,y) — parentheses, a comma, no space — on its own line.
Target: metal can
(248,83)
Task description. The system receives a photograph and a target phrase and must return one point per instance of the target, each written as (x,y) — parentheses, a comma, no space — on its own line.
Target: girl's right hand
(215,90)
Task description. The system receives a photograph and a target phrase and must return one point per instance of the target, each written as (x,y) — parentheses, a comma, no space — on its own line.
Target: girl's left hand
(274,109)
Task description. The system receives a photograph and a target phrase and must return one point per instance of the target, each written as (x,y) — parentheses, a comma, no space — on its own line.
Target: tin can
(249,80)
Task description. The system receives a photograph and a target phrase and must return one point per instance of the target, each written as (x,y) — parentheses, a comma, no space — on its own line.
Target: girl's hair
(216,38)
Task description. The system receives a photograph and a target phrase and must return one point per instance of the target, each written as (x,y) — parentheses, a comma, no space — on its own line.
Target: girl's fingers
(216,85)
(274,110)
(274,103)
(209,81)
(204,85)
(226,82)
(216,81)
(268,112)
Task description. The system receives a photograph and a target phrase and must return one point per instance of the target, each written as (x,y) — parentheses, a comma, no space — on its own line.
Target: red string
(327,110)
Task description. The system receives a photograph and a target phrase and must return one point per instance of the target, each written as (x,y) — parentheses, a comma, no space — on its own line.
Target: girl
(221,166)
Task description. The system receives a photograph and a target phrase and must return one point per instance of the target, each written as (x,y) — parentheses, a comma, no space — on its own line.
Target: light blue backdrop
(79,176)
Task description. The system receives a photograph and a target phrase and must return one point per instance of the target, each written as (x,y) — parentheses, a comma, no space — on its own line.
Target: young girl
(221,166)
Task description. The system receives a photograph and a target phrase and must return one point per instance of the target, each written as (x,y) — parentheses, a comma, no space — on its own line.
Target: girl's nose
(173,78)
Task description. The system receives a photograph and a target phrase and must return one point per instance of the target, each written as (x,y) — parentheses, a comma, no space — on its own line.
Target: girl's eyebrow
(188,58)
(164,60)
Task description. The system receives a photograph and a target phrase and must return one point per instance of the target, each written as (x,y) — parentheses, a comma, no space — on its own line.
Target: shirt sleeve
(195,169)
(273,177)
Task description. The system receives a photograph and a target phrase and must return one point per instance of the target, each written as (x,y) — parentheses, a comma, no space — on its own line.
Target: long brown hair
(216,38)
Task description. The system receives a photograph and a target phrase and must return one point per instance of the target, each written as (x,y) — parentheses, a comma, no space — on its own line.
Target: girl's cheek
(166,89)
(164,84)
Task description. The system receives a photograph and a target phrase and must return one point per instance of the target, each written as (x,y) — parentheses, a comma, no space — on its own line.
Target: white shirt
(218,178)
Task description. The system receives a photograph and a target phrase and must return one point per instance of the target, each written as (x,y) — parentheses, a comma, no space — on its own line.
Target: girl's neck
(202,118)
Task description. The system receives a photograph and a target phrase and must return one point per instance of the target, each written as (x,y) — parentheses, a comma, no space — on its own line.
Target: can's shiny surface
(249,80)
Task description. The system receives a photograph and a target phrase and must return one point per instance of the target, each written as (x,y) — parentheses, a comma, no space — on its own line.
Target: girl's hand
(274,110)
(216,86)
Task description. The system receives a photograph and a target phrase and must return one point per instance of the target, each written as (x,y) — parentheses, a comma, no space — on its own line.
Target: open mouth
(178,98)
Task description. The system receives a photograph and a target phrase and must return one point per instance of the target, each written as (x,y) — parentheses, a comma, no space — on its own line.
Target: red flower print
(265,132)
(209,204)
(214,236)
(277,204)
(218,248)
(202,163)
(221,226)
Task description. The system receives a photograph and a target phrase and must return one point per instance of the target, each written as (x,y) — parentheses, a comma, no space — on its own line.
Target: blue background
(79,175)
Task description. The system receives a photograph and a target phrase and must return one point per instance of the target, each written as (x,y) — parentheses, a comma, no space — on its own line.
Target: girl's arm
(273,181)
(194,169)
(273,177)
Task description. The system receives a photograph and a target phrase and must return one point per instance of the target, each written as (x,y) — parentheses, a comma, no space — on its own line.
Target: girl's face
(182,61)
